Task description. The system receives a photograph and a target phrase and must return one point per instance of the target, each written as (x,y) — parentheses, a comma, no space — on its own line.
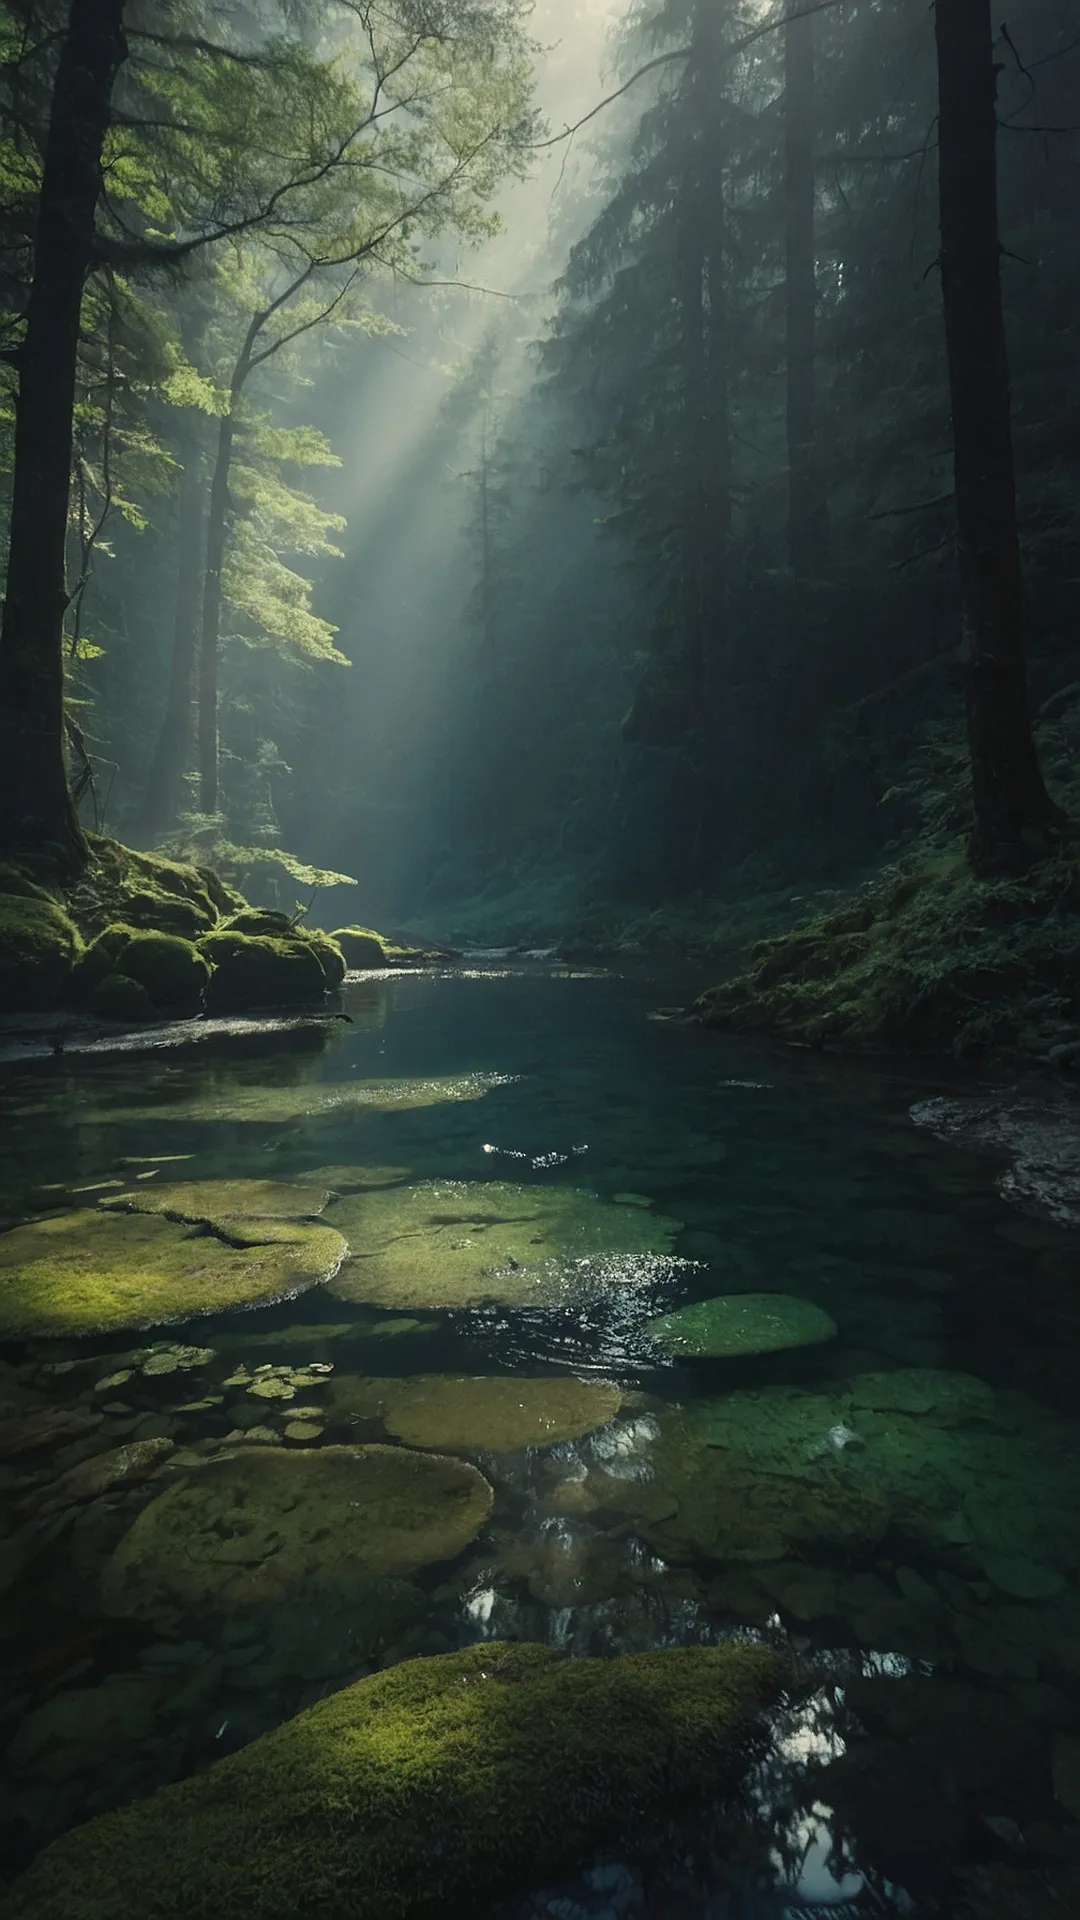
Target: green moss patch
(211,1201)
(930,959)
(90,1271)
(743,1323)
(432,1787)
(246,1528)
(456,1243)
(261,970)
(361,947)
(39,945)
(277,1106)
(469,1415)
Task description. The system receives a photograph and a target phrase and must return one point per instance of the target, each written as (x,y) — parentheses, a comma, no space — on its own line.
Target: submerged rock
(743,1323)
(247,1527)
(276,1105)
(437,1784)
(456,1243)
(213,1200)
(91,1270)
(489,1414)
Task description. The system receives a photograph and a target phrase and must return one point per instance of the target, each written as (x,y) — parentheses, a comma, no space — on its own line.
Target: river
(896,1500)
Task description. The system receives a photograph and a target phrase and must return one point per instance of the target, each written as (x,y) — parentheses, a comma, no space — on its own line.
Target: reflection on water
(899,1506)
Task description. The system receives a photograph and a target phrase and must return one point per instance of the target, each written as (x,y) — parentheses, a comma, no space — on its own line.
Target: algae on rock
(211,1201)
(434,1785)
(253,1524)
(90,1270)
(743,1323)
(489,1414)
(277,1106)
(457,1243)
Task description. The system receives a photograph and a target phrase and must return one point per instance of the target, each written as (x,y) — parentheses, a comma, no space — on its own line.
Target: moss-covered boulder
(457,1243)
(431,1787)
(173,972)
(164,913)
(90,1271)
(743,1323)
(248,1527)
(362,948)
(39,945)
(117,997)
(468,1415)
(261,970)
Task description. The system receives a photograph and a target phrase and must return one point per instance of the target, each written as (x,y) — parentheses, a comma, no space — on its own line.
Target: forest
(539,959)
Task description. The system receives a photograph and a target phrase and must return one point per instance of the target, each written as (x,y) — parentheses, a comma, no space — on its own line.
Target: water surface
(900,1505)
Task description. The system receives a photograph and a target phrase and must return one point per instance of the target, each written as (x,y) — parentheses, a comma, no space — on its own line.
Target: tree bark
(169,759)
(1014,815)
(807,523)
(38,820)
(217,526)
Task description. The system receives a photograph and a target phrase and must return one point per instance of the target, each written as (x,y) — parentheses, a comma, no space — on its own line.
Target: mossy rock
(362,948)
(470,1415)
(210,1201)
(116,997)
(260,920)
(743,1323)
(261,970)
(279,1106)
(457,1243)
(90,1271)
(434,1787)
(173,972)
(39,945)
(329,955)
(167,913)
(14,880)
(249,1527)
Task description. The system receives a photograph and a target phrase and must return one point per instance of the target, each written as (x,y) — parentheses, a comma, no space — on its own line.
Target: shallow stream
(528,1171)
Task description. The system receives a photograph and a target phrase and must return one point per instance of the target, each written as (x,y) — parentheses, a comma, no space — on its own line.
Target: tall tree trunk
(1014,814)
(167,765)
(807,524)
(695,450)
(217,527)
(37,814)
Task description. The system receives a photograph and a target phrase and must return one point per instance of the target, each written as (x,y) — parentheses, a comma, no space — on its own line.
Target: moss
(165,915)
(456,1243)
(437,1782)
(361,947)
(490,1415)
(174,974)
(207,1202)
(329,955)
(14,880)
(743,1323)
(115,996)
(259,920)
(144,890)
(931,959)
(261,970)
(270,1105)
(257,1523)
(89,1271)
(39,945)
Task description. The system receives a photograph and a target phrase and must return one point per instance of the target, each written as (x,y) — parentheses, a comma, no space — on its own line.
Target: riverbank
(143,939)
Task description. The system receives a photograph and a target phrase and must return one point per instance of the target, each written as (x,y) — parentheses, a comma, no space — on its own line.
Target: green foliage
(518,1762)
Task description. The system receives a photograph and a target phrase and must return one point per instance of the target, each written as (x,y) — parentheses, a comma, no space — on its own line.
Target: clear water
(940,1660)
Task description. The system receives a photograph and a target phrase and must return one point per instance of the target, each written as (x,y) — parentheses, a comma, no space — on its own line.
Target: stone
(522,1763)
(1021,1578)
(952,1398)
(276,1105)
(457,1243)
(746,1323)
(119,1466)
(212,1200)
(490,1414)
(92,1271)
(246,1527)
